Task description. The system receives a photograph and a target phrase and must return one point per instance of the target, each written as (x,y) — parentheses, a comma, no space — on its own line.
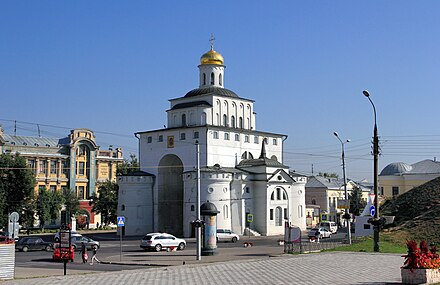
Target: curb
(135,264)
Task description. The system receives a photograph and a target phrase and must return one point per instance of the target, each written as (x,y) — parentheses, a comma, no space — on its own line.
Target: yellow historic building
(399,177)
(74,162)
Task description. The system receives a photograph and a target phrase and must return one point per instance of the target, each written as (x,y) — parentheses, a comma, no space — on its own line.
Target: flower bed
(421,265)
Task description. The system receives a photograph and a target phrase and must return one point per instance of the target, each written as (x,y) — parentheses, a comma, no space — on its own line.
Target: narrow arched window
(272,197)
(212,78)
(225,121)
(232,121)
(240,123)
(204,79)
(220,80)
(183,120)
(278,216)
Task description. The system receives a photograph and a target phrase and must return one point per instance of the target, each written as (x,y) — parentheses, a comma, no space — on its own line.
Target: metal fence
(315,246)
(7,261)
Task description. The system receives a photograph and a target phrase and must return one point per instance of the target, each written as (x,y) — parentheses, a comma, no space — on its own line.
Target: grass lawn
(387,244)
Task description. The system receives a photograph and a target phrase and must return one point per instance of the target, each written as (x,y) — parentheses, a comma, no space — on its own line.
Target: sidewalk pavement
(316,268)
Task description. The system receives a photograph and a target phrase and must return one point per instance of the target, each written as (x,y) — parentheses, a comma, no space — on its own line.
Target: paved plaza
(314,268)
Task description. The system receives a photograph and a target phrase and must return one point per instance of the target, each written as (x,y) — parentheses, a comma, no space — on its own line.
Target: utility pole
(375,221)
(198,229)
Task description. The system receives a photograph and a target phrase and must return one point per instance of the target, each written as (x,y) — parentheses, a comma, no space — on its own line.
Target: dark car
(33,243)
(90,244)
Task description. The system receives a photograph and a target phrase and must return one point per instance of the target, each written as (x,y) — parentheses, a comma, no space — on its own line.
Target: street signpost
(250,219)
(13,226)
(121,223)
(372,210)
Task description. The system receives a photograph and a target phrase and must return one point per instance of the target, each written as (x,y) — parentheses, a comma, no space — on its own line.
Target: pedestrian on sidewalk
(84,254)
(95,249)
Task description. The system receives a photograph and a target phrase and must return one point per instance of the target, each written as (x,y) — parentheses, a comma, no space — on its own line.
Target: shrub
(421,257)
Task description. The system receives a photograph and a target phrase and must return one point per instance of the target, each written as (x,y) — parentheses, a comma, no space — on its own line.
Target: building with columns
(74,162)
(241,167)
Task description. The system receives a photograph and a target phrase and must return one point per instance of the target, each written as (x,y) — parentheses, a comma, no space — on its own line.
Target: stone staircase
(250,232)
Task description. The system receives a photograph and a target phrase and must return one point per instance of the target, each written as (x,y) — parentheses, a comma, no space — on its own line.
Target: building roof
(211,90)
(324,182)
(137,173)
(426,166)
(34,141)
(191,104)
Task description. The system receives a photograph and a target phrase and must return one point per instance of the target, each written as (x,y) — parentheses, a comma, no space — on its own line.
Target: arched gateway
(170,195)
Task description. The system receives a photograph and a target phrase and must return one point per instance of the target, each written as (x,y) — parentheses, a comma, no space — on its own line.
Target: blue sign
(121,221)
(372,210)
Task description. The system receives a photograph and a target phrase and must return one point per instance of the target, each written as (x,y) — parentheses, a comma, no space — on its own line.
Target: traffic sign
(121,221)
(372,211)
(250,218)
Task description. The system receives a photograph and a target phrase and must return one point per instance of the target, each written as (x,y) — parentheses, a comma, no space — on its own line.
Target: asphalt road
(111,248)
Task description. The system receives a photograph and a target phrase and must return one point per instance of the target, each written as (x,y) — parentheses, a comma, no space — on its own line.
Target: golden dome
(212,57)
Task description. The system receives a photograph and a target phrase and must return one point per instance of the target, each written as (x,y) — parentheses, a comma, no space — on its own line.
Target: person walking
(95,249)
(84,254)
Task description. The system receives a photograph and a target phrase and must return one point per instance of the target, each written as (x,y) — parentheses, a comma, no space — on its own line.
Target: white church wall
(135,203)
(297,205)
(260,212)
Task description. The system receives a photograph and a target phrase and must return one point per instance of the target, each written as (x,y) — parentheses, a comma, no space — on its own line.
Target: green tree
(128,166)
(48,205)
(16,185)
(70,202)
(356,202)
(106,203)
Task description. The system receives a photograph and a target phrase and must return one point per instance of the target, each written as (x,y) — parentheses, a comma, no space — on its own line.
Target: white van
(331,226)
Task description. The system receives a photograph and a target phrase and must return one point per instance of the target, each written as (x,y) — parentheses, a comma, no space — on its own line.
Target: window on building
(248,190)
(272,196)
(227,136)
(149,140)
(225,121)
(215,135)
(381,190)
(196,135)
(182,136)
(225,212)
(183,120)
(313,202)
(274,142)
(212,78)
(255,139)
(220,80)
(278,194)
(284,195)
(53,188)
(122,207)
(232,121)
(204,79)
(31,165)
(240,123)
(53,167)
(193,208)
(80,192)
(285,214)
(278,216)
(81,168)
(65,166)
(160,138)
(237,137)
(43,166)
(246,138)
(271,215)
(300,211)
(41,188)
(395,190)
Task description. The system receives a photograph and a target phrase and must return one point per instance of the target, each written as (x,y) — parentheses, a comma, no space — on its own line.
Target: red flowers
(421,257)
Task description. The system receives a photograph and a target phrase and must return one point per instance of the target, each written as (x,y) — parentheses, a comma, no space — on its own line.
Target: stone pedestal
(420,276)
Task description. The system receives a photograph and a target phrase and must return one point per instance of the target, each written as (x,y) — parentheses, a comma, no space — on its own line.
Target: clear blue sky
(111,66)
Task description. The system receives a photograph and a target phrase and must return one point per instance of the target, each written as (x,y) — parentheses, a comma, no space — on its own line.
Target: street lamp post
(347,204)
(375,221)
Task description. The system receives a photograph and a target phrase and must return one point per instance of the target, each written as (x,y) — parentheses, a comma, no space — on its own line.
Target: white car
(323,233)
(159,241)
(227,235)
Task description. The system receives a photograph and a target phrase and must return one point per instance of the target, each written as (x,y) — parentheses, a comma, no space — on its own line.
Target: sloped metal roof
(426,166)
(34,141)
